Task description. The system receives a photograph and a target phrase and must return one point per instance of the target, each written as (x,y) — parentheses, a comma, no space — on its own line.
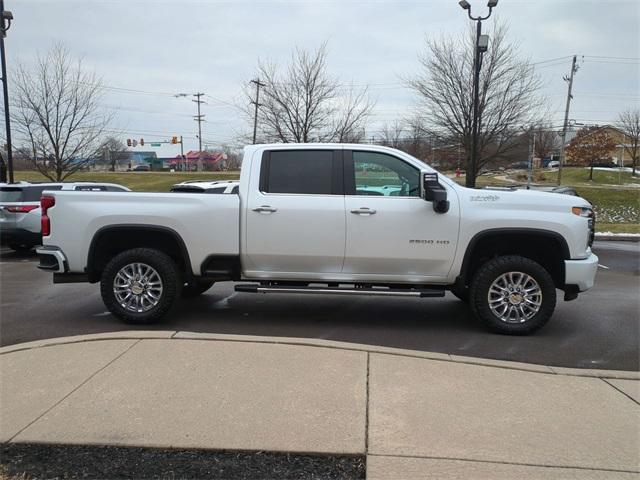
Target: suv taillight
(45,204)
(21,208)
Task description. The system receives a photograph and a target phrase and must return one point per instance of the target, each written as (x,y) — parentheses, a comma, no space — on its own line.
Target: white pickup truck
(327,219)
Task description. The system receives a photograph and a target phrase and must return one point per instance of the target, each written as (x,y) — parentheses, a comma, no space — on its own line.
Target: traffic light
(142,141)
(134,142)
(128,142)
(174,140)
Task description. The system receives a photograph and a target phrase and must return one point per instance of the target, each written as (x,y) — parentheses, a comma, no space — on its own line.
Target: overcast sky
(213,47)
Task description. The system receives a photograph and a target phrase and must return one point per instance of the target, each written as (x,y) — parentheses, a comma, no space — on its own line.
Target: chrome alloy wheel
(514,297)
(137,287)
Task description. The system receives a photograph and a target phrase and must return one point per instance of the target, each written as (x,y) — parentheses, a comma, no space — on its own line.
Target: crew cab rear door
(295,217)
(391,230)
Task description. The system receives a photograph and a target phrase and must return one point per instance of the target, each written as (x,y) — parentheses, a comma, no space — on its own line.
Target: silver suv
(20,209)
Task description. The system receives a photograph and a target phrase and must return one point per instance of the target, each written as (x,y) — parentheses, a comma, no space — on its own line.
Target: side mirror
(432,191)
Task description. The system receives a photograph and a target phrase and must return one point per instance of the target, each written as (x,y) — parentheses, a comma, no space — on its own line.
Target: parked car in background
(520,165)
(553,164)
(139,168)
(559,189)
(204,186)
(20,209)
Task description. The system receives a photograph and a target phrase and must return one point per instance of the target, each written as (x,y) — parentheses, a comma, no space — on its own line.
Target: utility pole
(532,153)
(574,69)
(257,104)
(6,16)
(199,118)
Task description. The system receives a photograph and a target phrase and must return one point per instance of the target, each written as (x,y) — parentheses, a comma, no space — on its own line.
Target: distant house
(211,161)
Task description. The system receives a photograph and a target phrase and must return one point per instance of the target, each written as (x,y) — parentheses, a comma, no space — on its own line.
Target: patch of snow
(611,234)
(611,169)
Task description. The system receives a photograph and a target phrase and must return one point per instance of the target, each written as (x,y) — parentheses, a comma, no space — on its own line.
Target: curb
(318,343)
(617,238)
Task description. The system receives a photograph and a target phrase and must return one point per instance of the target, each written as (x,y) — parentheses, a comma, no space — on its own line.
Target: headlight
(588,213)
(582,211)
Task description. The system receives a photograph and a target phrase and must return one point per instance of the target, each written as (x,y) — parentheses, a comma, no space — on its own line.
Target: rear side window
(33,194)
(308,172)
(10,194)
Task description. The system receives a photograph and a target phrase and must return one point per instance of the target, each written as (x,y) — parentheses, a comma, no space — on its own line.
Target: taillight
(45,204)
(21,208)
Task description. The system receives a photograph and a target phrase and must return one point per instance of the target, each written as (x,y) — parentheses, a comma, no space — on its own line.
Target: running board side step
(382,292)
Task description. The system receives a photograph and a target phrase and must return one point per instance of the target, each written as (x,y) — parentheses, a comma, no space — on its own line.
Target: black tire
(461,293)
(166,269)
(191,290)
(492,270)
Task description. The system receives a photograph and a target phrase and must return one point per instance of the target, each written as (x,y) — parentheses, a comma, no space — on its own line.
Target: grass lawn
(618,227)
(137,181)
(576,176)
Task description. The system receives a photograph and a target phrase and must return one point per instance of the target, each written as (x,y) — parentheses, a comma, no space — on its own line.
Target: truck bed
(208,224)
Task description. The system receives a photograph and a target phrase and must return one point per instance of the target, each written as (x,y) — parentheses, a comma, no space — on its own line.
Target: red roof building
(210,161)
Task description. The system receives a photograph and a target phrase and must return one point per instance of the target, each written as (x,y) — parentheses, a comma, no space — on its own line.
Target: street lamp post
(5,19)
(482,44)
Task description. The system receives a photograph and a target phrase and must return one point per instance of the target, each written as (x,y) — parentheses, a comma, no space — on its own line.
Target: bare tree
(547,141)
(392,134)
(305,104)
(508,93)
(58,114)
(113,152)
(629,124)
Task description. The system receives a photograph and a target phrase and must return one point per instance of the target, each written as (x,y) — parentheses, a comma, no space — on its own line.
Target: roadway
(598,330)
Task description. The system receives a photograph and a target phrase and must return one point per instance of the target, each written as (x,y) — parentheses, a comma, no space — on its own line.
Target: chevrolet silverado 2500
(327,219)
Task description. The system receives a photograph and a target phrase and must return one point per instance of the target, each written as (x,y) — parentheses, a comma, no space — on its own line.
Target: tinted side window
(33,194)
(235,189)
(216,190)
(10,194)
(298,171)
(379,174)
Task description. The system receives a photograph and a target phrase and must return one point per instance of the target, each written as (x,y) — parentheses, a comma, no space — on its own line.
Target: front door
(295,216)
(391,230)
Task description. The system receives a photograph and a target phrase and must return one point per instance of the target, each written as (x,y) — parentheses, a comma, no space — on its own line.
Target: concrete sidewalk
(411,413)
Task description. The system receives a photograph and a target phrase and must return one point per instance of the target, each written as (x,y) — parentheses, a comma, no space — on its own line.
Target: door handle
(265,209)
(363,211)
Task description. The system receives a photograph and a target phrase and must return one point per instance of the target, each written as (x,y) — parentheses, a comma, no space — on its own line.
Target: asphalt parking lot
(598,330)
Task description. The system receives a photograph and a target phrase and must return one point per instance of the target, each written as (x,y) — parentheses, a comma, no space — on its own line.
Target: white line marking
(604,266)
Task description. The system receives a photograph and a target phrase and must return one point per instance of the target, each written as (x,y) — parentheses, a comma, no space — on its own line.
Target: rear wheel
(513,295)
(191,290)
(140,285)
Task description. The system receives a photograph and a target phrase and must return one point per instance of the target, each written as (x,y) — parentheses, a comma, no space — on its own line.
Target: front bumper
(581,273)
(52,259)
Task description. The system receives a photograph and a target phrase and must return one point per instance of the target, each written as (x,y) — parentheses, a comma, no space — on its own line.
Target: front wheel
(140,285)
(513,295)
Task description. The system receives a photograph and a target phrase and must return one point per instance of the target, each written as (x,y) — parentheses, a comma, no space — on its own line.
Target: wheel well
(110,241)
(546,248)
